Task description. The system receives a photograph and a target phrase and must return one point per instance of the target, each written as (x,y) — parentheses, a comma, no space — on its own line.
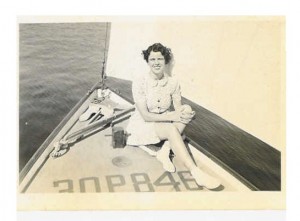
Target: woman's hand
(175,116)
(184,114)
(186,119)
(187,114)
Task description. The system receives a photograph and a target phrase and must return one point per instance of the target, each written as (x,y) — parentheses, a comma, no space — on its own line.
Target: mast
(103,74)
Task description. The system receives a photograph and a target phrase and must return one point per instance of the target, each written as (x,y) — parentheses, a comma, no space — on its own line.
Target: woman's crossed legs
(171,132)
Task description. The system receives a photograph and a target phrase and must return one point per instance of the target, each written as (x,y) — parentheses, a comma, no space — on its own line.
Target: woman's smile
(157,67)
(156,62)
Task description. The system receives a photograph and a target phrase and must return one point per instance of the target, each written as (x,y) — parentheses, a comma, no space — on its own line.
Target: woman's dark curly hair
(158,47)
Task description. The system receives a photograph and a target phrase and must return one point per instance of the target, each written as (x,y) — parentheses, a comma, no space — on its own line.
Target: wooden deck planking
(252,161)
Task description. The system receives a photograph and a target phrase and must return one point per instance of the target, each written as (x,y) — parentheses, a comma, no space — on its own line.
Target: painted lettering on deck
(138,182)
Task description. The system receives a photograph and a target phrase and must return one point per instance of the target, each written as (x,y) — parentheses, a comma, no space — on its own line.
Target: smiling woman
(157,64)
(157,56)
(155,121)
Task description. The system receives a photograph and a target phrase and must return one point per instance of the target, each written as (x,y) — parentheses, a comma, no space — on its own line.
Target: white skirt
(141,132)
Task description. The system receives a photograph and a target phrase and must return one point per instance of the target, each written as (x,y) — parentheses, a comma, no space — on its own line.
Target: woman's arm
(177,104)
(187,113)
(153,117)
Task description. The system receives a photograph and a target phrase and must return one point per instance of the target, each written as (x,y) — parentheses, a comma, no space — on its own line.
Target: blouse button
(158,100)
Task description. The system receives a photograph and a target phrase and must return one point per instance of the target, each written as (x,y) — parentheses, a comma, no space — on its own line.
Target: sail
(233,66)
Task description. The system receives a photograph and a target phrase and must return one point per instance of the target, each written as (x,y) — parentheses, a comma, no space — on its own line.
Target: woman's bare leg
(168,131)
(180,126)
(172,133)
(163,155)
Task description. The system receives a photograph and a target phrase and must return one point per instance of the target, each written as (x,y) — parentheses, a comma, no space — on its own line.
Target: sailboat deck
(93,165)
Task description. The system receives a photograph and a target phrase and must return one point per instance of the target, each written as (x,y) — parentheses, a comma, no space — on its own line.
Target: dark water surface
(58,64)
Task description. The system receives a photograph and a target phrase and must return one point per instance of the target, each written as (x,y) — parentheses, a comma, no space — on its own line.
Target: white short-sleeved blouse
(158,95)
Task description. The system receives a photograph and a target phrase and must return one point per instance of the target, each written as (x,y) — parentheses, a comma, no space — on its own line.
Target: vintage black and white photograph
(126,112)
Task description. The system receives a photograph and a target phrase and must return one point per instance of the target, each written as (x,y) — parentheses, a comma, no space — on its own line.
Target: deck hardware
(119,137)
(94,126)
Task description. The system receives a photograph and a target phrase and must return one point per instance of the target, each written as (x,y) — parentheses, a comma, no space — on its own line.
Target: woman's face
(156,62)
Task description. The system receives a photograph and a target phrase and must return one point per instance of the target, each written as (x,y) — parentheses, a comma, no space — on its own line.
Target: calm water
(58,64)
